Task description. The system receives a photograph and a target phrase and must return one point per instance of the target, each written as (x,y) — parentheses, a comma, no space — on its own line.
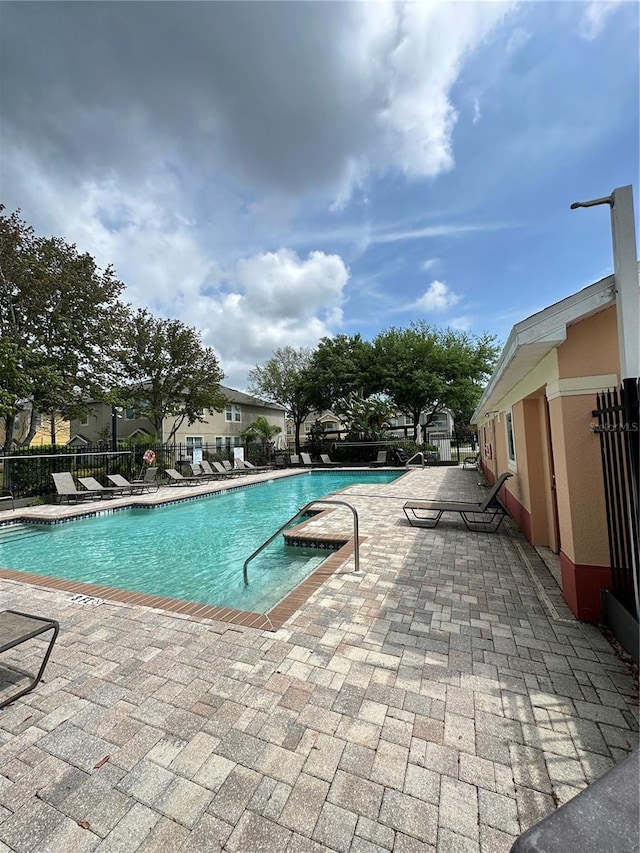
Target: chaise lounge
(176,478)
(137,487)
(92,485)
(66,489)
(486,512)
(16,628)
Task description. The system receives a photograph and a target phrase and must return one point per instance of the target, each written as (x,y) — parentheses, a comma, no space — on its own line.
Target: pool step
(14,532)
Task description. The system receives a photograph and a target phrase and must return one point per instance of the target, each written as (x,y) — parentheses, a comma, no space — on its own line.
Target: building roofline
(539,334)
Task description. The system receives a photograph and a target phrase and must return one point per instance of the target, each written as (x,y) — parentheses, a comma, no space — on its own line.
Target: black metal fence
(619,430)
(27,472)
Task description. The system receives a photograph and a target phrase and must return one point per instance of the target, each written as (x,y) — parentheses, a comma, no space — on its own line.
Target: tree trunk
(32,428)
(297,424)
(53,427)
(9,423)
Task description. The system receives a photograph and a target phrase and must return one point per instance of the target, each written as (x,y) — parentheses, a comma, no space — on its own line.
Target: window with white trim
(511,444)
(193,442)
(233,413)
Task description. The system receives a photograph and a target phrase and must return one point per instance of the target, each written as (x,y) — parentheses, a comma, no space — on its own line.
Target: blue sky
(276,172)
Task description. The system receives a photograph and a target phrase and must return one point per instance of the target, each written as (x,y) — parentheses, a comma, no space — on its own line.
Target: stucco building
(535,419)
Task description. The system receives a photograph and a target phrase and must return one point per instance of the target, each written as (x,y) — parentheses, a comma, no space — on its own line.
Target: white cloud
(594,18)
(268,301)
(437,297)
(429,264)
(464,323)
(477,112)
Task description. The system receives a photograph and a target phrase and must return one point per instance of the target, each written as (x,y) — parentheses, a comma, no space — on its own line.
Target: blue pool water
(192,550)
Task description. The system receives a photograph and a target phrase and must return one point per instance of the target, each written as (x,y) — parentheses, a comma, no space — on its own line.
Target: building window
(308,428)
(511,445)
(194,442)
(233,413)
(289,429)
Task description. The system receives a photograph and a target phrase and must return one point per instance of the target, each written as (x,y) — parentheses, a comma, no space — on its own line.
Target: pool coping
(339,546)
(270,621)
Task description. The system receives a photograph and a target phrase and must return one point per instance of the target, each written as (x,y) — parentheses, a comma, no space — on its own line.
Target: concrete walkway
(443,700)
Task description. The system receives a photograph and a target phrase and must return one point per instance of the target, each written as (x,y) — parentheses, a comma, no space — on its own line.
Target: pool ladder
(418,455)
(301,511)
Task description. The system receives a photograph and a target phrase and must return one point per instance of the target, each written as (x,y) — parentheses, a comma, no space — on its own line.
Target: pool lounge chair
(327,462)
(254,469)
(294,460)
(306,460)
(66,489)
(233,469)
(223,472)
(137,487)
(471,461)
(486,512)
(17,628)
(381,458)
(213,475)
(176,478)
(198,473)
(92,485)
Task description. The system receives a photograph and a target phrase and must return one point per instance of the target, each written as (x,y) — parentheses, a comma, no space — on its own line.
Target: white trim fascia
(547,327)
(578,385)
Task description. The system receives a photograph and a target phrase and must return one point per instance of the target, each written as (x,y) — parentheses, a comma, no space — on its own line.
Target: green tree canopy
(424,369)
(283,380)
(166,372)
(261,430)
(59,315)
(339,367)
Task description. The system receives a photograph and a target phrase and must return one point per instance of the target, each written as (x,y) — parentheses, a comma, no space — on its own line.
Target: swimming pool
(190,550)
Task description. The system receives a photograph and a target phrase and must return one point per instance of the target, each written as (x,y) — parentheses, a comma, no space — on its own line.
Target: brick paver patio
(442,700)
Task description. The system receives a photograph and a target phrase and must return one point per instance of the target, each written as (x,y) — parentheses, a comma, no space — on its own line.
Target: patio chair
(327,461)
(486,512)
(294,460)
(222,472)
(471,461)
(137,487)
(255,469)
(214,475)
(198,472)
(381,458)
(233,469)
(92,485)
(16,628)
(306,460)
(176,478)
(66,489)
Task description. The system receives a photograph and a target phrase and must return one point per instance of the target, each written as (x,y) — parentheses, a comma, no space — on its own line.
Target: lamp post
(115,416)
(625,270)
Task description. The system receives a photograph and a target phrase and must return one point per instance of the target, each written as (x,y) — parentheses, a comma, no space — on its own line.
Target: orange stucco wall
(591,347)
(585,362)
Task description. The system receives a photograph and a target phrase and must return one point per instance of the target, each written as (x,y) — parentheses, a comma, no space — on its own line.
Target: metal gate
(619,430)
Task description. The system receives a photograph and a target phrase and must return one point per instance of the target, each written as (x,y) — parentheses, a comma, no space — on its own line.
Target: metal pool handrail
(415,456)
(301,511)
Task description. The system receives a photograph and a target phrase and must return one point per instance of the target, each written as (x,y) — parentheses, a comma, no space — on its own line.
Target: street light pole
(115,415)
(625,270)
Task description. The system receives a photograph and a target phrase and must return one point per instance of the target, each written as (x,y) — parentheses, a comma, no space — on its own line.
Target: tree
(366,418)
(261,430)
(58,315)
(167,373)
(283,380)
(339,367)
(424,369)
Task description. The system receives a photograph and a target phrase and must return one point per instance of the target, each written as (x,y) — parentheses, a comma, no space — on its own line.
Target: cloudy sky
(274,172)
